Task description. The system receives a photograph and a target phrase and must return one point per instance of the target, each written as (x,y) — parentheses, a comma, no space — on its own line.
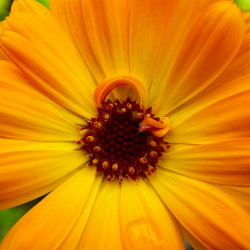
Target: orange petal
(158,129)
(100,30)
(205,211)
(106,86)
(214,93)
(74,236)
(234,79)
(197,245)
(240,194)
(156,39)
(31,169)
(222,120)
(2,55)
(16,81)
(30,118)
(51,221)
(224,162)
(203,56)
(105,218)
(247,21)
(30,7)
(35,44)
(144,220)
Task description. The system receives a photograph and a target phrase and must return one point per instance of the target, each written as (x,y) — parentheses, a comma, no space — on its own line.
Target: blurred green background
(9,217)
(6,4)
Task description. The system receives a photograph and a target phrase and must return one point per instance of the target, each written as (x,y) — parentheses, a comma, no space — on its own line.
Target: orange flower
(125,176)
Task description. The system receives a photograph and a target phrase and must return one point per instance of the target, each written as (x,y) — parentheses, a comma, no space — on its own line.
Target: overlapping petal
(29,169)
(41,49)
(144,220)
(100,30)
(227,118)
(102,230)
(205,211)
(225,162)
(55,216)
(234,79)
(210,46)
(241,194)
(28,118)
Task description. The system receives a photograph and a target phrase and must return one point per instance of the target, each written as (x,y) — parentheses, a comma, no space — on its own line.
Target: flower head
(134,114)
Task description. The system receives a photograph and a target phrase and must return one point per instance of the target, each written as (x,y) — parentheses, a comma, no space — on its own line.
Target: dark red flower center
(115,145)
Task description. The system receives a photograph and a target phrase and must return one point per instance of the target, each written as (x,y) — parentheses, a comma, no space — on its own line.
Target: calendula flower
(136,114)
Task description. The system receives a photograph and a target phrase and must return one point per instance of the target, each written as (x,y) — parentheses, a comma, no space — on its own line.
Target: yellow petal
(102,230)
(41,49)
(226,119)
(240,194)
(10,145)
(224,162)
(193,241)
(31,169)
(100,30)
(205,211)
(214,93)
(30,118)
(145,222)
(73,238)
(15,80)
(47,224)
(210,46)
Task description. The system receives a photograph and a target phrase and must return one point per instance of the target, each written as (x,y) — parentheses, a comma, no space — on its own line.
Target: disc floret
(116,146)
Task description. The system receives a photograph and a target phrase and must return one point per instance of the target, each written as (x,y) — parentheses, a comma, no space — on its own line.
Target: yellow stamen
(110,106)
(97,148)
(153,154)
(123,110)
(115,167)
(153,144)
(131,170)
(98,125)
(129,106)
(143,160)
(90,138)
(105,165)
(95,161)
(106,117)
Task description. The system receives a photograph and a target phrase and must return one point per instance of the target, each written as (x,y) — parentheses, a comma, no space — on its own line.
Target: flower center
(125,140)
(116,143)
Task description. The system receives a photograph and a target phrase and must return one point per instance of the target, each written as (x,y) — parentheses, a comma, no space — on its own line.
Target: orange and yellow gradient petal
(30,169)
(204,210)
(35,45)
(224,162)
(56,216)
(141,219)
